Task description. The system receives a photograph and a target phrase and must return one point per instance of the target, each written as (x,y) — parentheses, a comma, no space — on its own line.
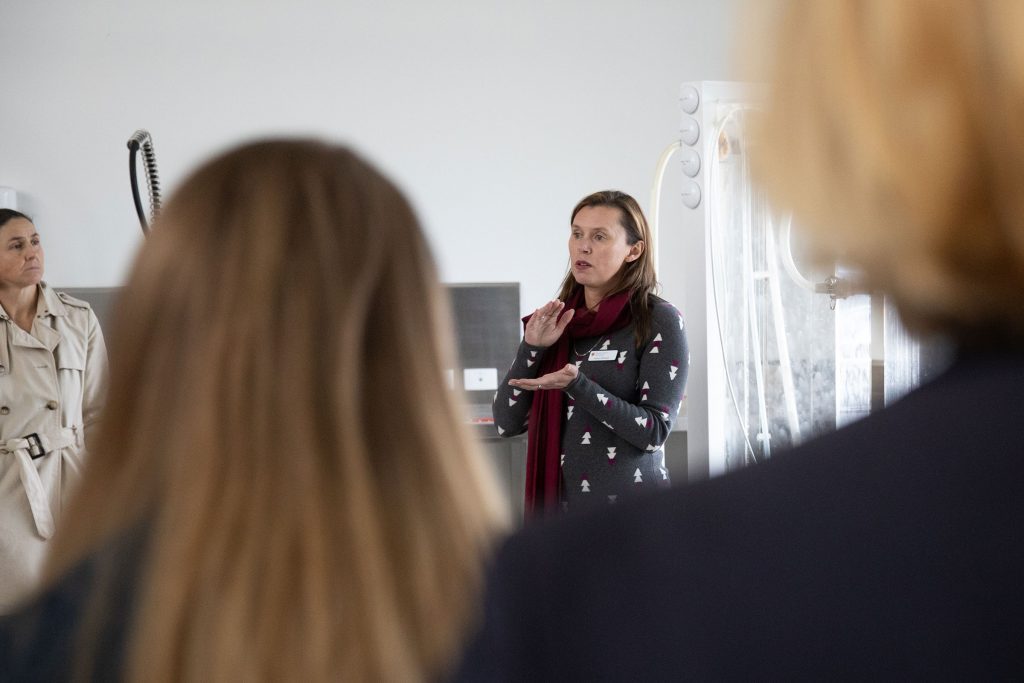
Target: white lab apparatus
(778,352)
(8,198)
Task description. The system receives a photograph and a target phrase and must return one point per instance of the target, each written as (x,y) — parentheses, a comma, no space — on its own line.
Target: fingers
(557,311)
(529,385)
(564,321)
(544,327)
(553,380)
(548,313)
(537,317)
(533,384)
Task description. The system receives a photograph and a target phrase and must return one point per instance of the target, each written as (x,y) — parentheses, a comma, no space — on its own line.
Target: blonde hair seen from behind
(278,425)
(900,150)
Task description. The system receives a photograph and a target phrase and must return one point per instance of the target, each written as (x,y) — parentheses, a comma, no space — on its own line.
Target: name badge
(603,355)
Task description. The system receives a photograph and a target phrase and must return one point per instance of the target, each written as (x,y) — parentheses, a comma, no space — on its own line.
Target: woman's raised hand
(544,327)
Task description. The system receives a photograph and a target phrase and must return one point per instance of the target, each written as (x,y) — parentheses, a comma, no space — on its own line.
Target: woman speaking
(608,363)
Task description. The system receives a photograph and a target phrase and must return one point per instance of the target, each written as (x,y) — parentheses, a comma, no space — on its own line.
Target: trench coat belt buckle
(27,449)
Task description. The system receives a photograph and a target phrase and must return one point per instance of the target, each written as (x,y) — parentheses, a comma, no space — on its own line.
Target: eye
(599,237)
(35,242)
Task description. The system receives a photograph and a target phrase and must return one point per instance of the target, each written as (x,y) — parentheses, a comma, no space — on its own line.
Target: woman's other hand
(544,327)
(559,379)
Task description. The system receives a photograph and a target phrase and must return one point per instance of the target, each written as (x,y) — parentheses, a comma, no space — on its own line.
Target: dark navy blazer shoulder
(891,548)
(41,641)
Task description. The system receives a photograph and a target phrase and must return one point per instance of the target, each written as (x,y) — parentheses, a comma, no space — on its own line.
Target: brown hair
(895,135)
(636,277)
(277,424)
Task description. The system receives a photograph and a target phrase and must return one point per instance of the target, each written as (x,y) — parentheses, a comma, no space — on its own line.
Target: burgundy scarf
(543,455)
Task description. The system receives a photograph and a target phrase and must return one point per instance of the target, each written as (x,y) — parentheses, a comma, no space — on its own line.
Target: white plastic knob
(691,194)
(690,131)
(689,99)
(691,162)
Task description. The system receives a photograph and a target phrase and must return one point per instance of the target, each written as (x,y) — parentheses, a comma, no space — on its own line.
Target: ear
(635,250)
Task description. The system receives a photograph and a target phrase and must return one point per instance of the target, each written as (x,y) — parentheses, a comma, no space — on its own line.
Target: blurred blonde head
(895,134)
(279,428)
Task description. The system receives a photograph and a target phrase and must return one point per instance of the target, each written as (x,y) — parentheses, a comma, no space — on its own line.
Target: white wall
(494,116)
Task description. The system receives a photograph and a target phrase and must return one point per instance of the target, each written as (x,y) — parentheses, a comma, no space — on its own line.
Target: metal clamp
(836,288)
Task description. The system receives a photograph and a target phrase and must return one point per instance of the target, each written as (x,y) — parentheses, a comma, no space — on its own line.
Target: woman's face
(598,247)
(21,254)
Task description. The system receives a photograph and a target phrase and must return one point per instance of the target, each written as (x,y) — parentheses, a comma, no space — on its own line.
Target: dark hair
(8,215)
(637,277)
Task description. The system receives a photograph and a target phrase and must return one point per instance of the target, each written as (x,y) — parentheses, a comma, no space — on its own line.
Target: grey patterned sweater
(619,412)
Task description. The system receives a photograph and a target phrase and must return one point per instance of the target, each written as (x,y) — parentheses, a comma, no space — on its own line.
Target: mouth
(581,265)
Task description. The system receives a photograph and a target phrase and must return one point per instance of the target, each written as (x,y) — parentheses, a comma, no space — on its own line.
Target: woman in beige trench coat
(53,366)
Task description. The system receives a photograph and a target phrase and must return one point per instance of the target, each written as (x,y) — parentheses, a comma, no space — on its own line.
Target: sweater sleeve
(661,380)
(511,407)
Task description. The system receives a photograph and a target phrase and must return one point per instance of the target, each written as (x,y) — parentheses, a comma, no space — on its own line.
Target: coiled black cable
(141,139)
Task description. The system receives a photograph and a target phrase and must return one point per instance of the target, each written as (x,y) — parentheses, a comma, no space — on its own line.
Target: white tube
(659,177)
(785,366)
(750,299)
(786,255)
